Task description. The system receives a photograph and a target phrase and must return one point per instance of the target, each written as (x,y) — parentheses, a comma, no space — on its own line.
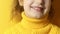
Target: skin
(36,8)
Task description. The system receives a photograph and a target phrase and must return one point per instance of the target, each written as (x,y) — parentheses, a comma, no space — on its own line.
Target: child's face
(36,8)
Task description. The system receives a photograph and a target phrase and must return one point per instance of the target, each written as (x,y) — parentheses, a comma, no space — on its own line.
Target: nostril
(42,2)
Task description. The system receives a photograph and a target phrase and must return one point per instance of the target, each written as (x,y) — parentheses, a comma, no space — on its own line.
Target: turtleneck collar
(33,19)
(33,23)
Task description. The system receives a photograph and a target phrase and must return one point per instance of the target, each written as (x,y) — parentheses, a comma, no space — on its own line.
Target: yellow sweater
(33,26)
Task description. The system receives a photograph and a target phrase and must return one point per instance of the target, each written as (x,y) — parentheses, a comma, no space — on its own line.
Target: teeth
(39,9)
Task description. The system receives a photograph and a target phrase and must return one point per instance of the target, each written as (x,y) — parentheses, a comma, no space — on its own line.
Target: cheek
(47,6)
(48,3)
(28,2)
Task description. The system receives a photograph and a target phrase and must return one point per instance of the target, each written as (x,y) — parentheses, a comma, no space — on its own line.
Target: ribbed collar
(33,23)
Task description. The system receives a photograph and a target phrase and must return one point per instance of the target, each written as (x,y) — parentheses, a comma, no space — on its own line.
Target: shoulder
(13,30)
(55,29)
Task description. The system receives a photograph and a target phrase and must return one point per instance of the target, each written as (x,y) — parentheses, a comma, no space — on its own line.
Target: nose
(39,2)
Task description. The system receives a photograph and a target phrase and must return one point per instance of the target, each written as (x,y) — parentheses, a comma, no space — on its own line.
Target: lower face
(36,8)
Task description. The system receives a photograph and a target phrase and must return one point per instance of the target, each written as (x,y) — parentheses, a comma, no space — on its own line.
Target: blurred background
(5,11)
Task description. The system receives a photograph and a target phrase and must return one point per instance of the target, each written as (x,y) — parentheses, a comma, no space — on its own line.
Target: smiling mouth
(37,8)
